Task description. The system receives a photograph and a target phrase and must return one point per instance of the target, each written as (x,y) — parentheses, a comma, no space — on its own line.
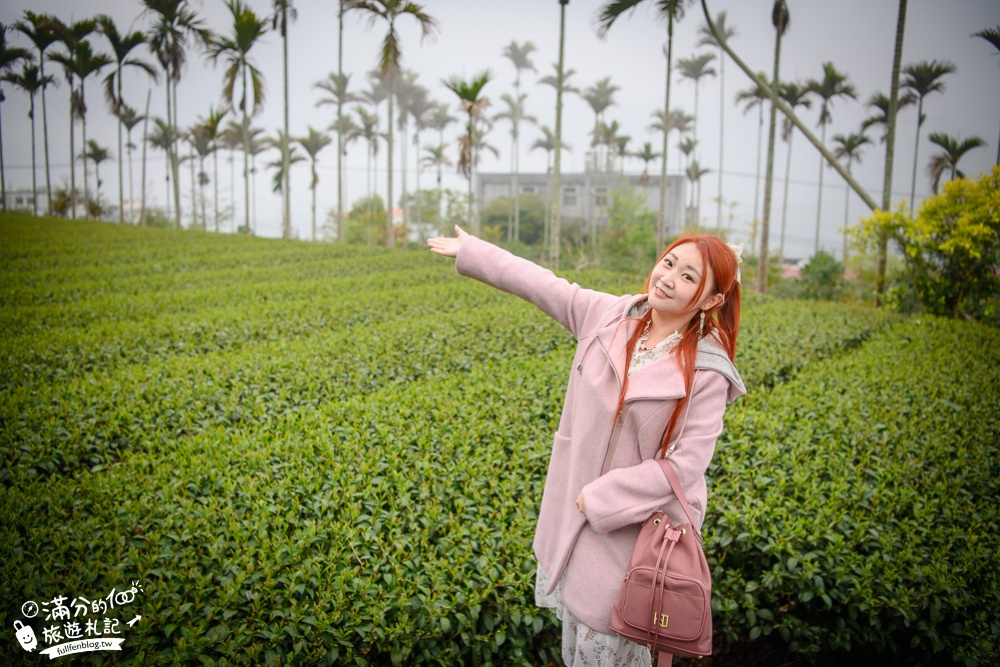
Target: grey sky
(856,35)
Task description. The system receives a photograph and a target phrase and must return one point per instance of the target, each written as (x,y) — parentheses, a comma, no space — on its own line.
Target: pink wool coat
(611,462)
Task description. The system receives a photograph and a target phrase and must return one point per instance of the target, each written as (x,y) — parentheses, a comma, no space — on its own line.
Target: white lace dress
(581,645)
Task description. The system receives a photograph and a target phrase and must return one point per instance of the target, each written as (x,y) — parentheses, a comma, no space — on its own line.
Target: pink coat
(610,462)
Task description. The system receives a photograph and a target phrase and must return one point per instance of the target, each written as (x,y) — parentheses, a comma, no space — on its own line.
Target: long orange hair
(722,321)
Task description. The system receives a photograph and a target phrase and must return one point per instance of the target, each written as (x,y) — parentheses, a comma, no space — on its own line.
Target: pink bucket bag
(665,601)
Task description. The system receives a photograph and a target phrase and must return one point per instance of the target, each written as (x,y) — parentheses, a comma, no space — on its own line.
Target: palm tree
(30,81)
(37,28)
(670,10)
(780,19)
(647,155)
(553,80)
(794,95)
(337,86)
(686,147)
(129,118)
(755,96)
(695,68)
(97,155)
(202,139)
(421,108)
(312,144)
(283,11)
(368,129)
(952,150)
(82,61)
(231,138)
(922,79)
(515,113)
(390,11)
(991,35)
(434,156)
(849,148)
(708,39)
(667,123)
(121,47)
(247,31)
(347,133)
(880,102)
(210,129)
(548,144)
(9,56)
(520,57)
(473,102)
(833,85)
(410,96)
(440,119)
(164,139)
(175,25)
(694,173)
(599,97)
(284,146)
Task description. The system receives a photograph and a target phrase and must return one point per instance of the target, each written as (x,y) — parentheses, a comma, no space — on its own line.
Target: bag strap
(675,484)
(668,470)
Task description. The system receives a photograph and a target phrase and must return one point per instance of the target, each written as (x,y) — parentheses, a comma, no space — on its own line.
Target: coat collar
(661,379)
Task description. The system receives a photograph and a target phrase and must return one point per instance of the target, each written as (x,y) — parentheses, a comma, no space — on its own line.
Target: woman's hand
(579,503)
(448,247)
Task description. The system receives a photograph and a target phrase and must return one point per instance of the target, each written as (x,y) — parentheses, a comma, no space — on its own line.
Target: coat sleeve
(577,309)
(625,496)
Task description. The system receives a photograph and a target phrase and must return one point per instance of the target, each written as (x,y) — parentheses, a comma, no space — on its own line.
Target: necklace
(644,336)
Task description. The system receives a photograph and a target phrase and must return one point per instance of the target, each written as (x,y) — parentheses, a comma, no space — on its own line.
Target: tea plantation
(288,453)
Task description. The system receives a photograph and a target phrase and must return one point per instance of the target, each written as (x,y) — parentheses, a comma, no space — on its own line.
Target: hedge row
(856,505)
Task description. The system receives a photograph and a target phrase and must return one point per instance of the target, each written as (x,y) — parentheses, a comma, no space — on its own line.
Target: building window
(569,197)
(601,197)
(528,189)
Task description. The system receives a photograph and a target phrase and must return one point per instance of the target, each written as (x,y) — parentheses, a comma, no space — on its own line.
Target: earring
(701,324)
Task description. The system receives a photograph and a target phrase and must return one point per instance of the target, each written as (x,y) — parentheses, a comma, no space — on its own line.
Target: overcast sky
(856,35)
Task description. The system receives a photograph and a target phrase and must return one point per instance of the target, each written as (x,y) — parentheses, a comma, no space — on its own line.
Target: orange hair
(723,320)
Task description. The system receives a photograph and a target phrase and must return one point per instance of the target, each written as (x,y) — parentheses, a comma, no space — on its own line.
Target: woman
(651,377)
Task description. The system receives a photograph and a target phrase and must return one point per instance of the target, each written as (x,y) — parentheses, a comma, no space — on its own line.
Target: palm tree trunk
(341,233)
(661,226)
(175,164)
(554,224)
(72,155)
(760,136)
(285,158)
(45,134)
(34,183)
(916,150)
(517,191)
(83,125)
(215,179)
(232,183)
(131,178)
(890,142)
(121,166)
(314,200)
(722,129)
(145,128)
(194,193)
(765,223)
(390,233)
(819,199)
(847,204)
(784,206)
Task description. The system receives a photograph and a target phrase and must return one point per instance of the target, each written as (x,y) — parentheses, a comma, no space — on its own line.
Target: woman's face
(676,278)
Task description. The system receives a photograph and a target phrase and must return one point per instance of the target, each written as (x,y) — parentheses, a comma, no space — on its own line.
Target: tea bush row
(856,505)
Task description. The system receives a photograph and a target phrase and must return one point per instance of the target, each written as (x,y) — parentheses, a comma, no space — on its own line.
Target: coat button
(579,368)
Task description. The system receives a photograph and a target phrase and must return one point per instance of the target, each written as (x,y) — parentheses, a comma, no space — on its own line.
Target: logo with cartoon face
(26,636)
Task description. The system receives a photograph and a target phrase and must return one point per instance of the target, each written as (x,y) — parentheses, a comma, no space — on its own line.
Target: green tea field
(239,451)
